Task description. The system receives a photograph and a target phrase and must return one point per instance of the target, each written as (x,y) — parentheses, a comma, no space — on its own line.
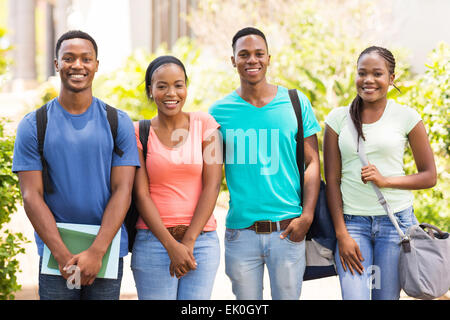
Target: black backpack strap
(144,130)
(300,147)
(111,115)
(41,127)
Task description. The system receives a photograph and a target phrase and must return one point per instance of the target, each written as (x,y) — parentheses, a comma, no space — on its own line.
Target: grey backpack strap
(364,161)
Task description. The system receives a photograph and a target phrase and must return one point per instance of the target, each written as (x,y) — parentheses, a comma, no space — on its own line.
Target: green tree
(430,96)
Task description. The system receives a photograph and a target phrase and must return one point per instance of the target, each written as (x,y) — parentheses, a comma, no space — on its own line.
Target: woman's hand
(181,260)
(350,255)
(371,173)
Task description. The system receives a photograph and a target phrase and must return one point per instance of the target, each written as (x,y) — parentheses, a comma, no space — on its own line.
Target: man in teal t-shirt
(265,223)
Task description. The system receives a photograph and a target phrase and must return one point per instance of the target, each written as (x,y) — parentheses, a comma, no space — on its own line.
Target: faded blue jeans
(54,287)
(150,264)
(246,253)
(379,244)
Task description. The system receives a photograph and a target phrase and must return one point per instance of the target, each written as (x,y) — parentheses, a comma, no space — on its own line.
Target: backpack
(320,239)
(111,115)
(133,214)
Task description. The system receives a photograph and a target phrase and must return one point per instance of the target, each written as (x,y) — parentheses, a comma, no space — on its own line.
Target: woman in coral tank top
(176,251)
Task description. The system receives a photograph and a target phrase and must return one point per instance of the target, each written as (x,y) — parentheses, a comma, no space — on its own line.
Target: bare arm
(349,252)
(179,254)
(41,217)
(211,179)
(300,226)
(424,159)
(90,260)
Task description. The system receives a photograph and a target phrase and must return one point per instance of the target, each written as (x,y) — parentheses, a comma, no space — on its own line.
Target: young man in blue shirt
(91,183)
(265,223)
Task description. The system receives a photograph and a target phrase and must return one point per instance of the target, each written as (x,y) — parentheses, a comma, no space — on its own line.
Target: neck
(254,91)
(375,105)
(75,102)
(171,122)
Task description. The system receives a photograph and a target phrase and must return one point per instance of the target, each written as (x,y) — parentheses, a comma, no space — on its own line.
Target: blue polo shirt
(260,156)
(79,152)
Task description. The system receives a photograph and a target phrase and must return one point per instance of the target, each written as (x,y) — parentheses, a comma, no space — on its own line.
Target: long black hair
(357,103)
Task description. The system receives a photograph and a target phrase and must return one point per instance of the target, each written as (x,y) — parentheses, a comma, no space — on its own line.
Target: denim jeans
(246,253)
(379,244)
(150,264)
(54,287)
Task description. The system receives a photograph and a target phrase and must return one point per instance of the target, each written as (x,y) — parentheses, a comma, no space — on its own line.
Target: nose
(170,91)
(252,59)
(77,63)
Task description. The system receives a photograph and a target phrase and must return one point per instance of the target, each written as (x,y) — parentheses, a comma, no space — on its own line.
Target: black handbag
(321,238)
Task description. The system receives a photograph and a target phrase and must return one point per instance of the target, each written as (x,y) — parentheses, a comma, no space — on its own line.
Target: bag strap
(360,148)
(144,131)
(41,127)
(111,115)
(300,141)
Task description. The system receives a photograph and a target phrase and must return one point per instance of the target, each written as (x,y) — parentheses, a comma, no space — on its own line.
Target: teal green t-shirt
(260,156)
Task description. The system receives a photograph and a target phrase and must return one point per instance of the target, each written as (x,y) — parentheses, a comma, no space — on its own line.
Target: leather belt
(178,231)
(268,226)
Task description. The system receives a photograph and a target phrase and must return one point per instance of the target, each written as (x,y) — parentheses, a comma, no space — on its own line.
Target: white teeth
(252,70)
(170,102)
(77,76)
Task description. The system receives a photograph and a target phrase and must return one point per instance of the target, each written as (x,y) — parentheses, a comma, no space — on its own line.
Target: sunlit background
(314,46)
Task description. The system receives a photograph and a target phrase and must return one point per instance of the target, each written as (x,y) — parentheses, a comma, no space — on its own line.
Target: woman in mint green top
(367,240)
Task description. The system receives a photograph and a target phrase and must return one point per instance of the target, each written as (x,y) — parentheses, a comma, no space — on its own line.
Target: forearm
(112,220)
(311,189)
(420,180)
(335,205)
(149,213)
(203,211)
(44,223)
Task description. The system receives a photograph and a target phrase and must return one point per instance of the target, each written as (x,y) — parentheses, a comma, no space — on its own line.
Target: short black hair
(245,32)
(75,34)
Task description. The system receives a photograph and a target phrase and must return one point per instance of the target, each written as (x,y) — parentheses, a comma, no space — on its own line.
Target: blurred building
(120,26)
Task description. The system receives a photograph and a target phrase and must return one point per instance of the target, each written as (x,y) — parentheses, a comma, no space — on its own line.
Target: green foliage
(430,96)
(10,243)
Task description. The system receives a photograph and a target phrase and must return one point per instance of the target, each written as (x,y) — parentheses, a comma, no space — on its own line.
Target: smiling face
(168,89)
(77,64)
(373,78)
(251,59)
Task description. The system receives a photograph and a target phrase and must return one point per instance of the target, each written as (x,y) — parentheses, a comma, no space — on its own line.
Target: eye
(361,74)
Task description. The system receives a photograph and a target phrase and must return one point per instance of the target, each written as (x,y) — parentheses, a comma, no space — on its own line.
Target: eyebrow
(362,68)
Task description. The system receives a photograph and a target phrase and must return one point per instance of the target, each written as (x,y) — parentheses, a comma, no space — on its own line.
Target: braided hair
(357,103)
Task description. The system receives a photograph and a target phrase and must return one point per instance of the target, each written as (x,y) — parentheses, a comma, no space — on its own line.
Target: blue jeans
(246,253)
(54,287)
(379,244)
(150,264)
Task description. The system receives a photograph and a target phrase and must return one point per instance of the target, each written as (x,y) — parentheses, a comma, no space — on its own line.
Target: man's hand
(89,263)
(297,229)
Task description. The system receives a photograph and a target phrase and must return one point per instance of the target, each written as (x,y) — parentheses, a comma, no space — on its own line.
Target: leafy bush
(430,96)
(10,243)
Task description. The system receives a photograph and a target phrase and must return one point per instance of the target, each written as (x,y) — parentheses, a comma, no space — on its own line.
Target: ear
(55,62)
(268,62)
(96,67)
(391,79)
(233,61)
